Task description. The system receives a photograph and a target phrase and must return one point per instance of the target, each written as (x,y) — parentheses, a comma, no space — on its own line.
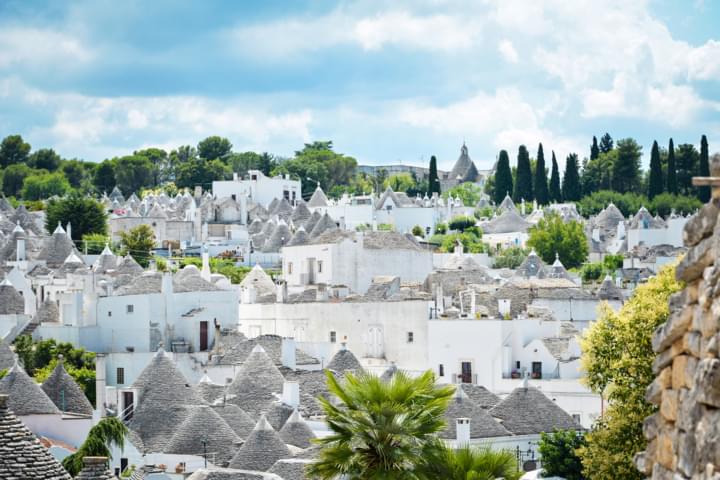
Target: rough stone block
(663,359)
(678,372)
(691,293)
(653,393)
(686,454)
(707,438)
(708,382)
(669,405)
(691,343)
(665,454)
(709,347)
(701,224)
(651,426)
(693,264)
(674,328)
(690,410)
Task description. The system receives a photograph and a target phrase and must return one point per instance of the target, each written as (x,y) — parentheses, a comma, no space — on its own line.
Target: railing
(460,378)
(127,414)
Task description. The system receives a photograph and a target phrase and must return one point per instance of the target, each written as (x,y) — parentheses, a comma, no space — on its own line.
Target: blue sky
(388,81)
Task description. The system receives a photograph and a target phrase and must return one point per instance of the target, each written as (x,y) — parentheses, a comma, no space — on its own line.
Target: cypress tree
(655,183)
(434,181)
(503,178)
(606,143)
(594,149)
(523,177)
(704,192)
(626,168)
(672,186)
(554,190)
(571,179)
(541,185)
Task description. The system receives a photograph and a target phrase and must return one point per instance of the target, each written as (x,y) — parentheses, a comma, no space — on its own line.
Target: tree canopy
(503,178)
(468,192)
(655,182)
(554,187)
(523,178)
(540,182)
(571,190)
(553,236)
(13,149)
(138,242)
(86,215)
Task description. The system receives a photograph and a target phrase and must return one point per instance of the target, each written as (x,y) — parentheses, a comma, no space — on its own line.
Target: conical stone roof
(278,413)
(344,361)
(65,393)
(301,214)
(283,209)
(95,468)
(236,418)
(25,397)
(22,456)
(312,221)
(318,198)
(609,291)
(325,224)
(532,266)
(464,169)
(507,204)
(106,261)
(261,450)
(258,279)
(11,302)
(57,248)
(128,266)
(291,468)
(482,425)
(256,383)
(296,431)
(256,226)
(272,205)
(204,425)
(300,238)
(47,313)
(208,390)
(527,411)
(7,357)
(281,235)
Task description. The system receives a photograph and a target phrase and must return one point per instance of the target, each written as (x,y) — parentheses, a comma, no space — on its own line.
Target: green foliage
(386,227)
(468,192)
(655,183)
(558,453)
(626,168)
(13,150)
(687,161)
(617,358)
(606,143)
(86,215)
(597,173)
(318,161)
(503,178)
(552,235)
(470,239)
(510,257)
(214,147)
(45,159)
(571,190)
(226,267)
(672,182)
(441,228)
(554,186)
(523,178)
(613,262)
(44,185)
(433,180)
(104,177)
(399,182)
(138,242)
(418,231)
(484,212)
(74,172)
(594,149)
(107,432)
(629,203)
(470,463)
(540,181)
(133,173)
(14,177)
(591,272)
(380,429)
(201,172)
(84,376)
(704,169)
(3,372)
(461,222)
(94,243)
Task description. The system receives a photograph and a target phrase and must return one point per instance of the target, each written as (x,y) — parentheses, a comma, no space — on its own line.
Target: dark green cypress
(434,181)
(541,182)
(672,186)
(655,183)
(606,143)
(704,192)
(523,177)
(571,190)
(503,178)
(626,168)
(594,149)
(554,190)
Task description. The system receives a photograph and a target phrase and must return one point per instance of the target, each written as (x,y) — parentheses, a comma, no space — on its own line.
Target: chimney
(68,230)
(462,432)
(205,271)
(167,284)
(100,383)
(20,248)
(235,177)
(288,353)
(281,292)
(291,394)
(322,293)
(198,192)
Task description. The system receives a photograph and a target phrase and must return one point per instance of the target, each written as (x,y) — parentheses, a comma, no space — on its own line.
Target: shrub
(385,227)
(418,231)
(665,203)
(510,257)
(613,262)
(628,203)
(553,236)
(441,228)
(591,272)
(94,243)
(461,222)
(557,451)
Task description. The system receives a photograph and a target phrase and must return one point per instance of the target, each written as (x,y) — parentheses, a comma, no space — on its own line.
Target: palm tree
(381,429)
(471,463)
(108,431)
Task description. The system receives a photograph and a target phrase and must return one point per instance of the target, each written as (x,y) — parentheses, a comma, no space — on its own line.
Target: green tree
(594,149)
(591,272)
(503,178)
(138,242)
(45,158)
(665,203)
(606,143)
(214,147)
(470,463)
(511,258)
(433,180)
(14,177)
(617,358)
(418,231)
(571,190)
(687,161)
(85,214)
(160,162)
(704,169)
(107,432)
(201,172)
(541,181)
(44,185)
(672,183)
(597,173)
(94,243)
(400,182)
(133,173)
(626,168)
(104,177)
(627,203)
(553,236)
(321,163)
(243,162)
(74,172)
(558,453)
(13,149)
(554,187)
(523,177)
(380,429)
(461,223)
(655,184)
(471,240)
(468,192)
(613,262)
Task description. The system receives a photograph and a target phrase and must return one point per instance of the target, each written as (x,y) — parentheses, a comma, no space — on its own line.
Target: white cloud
(508,52)
(704,61)
(33,46)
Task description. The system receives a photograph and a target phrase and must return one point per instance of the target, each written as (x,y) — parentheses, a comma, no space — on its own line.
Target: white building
(258,188)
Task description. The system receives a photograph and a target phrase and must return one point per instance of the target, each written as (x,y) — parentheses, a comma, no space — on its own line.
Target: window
(319,266)
(517,364)
(130,308)
(333,337)
(109,313)
(120,376)
(441,370)
(410,337)
(576,417)
(289,268)
(536,369)
(234,197)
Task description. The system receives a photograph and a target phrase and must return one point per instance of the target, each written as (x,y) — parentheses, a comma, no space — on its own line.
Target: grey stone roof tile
(482,425)
(256,384)
(261,450)
(95,468)
(11,302)
(296,431)
(344,361)
(481,396)
(7,356)
(291,468)
(236,418)
(25,396)
(203,430)
(65,393)
(527,411)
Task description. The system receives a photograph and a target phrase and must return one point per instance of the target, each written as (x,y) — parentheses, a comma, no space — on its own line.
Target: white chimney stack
(288,353)
(100,383)
(462,432)
(291,394)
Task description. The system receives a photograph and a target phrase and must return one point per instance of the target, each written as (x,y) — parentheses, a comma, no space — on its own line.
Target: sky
(388,82)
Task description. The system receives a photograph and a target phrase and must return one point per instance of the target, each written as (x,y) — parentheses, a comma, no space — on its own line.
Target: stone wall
(684,435)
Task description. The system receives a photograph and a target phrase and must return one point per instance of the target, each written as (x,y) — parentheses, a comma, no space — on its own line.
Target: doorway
(128,405)
(203,335)
(375,347)
(466,372)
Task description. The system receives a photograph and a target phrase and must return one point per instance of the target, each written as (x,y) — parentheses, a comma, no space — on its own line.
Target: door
(203,336)
(466,372)
(311,271)
(536,369)
(128,408)
(375,347)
